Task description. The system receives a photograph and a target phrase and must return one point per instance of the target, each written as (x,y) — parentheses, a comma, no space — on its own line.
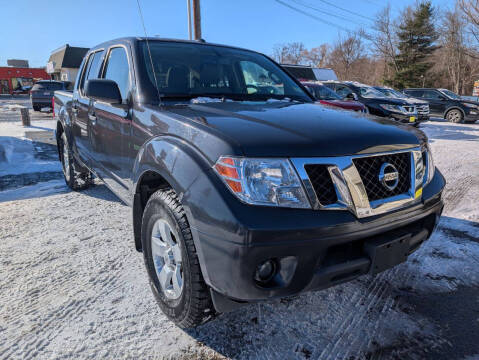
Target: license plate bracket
(385,254)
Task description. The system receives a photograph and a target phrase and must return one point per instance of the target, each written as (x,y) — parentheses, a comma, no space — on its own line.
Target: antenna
(149,52)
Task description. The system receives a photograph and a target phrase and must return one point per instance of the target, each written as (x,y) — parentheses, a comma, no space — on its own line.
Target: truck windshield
(186,70)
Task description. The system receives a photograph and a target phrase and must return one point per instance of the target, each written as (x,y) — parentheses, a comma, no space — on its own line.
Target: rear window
(298,72)
(414,93)
(50,85)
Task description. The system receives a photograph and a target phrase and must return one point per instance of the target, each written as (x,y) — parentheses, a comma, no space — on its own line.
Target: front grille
(423,110)
(369,168)
(322,183)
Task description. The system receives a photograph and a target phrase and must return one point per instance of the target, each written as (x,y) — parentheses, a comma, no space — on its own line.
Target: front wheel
(172,263)
(455,116)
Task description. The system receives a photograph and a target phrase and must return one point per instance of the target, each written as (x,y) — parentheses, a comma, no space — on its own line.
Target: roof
(68,57)
(132,40)
(17,63)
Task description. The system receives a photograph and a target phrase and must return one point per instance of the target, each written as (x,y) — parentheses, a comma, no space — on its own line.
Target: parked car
(305,73)
(376,102)
(326,96)
(41,94)
(446,104)
(240,195)
(422,106)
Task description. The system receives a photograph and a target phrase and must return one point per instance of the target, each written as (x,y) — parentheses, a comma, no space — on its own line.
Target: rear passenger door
(111,125)
(81,106)
(437,102)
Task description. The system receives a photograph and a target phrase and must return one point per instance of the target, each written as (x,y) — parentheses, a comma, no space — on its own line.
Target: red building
(17,79)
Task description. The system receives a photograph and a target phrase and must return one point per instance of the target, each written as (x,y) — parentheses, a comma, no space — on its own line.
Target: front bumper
(403,118)
(329,247)
(472,117)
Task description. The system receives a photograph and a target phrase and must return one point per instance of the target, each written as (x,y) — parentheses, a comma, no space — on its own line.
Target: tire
(76,176)
(455,116)
(36,108)
(189,305)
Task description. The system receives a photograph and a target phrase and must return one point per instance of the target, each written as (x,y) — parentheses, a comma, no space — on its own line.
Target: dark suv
(376,102)
(447,104)
(41,93)
(242,188)
(422,106)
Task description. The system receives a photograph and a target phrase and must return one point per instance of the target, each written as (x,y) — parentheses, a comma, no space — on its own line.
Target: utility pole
(188,2)
(197,19)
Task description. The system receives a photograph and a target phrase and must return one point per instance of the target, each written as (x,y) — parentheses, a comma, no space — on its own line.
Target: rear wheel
(455,116)
(76,176)
(172,263)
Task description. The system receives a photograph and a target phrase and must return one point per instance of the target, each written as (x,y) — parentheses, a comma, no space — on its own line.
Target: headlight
(271,182)
(472,106)
(430,168)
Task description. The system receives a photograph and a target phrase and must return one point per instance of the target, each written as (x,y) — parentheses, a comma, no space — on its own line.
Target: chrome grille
(356,184)
(423,110)
(322,183)
(369,167)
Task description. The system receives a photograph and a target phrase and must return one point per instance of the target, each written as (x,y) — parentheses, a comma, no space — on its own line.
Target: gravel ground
(73,286)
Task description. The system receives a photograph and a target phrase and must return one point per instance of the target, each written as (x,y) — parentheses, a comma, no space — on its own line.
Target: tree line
(422,46)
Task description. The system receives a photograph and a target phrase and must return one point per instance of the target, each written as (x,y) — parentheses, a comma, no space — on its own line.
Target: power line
(327,13)
(311,16)
(346,10)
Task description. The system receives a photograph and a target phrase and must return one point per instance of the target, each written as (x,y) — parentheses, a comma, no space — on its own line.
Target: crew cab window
(117,69)
(414,93)
(92,69)
(431,94)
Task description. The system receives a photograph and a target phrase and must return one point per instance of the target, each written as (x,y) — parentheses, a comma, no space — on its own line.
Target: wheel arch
(454,107)
(164,162)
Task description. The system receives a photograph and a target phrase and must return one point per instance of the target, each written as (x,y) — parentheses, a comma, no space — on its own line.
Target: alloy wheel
(166,253)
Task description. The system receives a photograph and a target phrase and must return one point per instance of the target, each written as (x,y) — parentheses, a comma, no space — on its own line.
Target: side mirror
(442,98)
(103,90)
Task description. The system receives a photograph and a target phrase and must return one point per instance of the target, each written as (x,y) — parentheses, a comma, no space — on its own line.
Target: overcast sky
(31,29)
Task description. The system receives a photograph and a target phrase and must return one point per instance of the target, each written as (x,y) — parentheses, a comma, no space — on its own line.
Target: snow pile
(17,154)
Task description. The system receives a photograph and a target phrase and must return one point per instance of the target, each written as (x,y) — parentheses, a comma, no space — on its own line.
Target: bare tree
(289,53)
(317,56)
(347,54)
(384,41)
(470,8)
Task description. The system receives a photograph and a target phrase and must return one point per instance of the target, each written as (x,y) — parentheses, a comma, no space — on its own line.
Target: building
(64,62)
(19,79)
(18,63)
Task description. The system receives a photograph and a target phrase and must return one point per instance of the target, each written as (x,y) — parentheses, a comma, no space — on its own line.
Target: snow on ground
(73,286)
(16,151)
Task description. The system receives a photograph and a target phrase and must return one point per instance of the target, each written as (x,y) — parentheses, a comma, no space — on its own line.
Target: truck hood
(289,129)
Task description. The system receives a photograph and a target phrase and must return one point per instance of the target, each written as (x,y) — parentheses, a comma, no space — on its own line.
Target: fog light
(265,271)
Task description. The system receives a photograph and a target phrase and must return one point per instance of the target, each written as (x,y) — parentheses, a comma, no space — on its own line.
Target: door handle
(92,118)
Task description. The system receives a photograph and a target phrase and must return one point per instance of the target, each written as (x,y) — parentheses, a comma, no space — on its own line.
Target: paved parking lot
(73,287)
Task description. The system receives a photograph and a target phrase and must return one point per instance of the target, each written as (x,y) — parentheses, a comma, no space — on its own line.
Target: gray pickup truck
(242,188)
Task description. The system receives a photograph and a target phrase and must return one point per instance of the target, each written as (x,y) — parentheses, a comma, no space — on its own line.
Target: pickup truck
(242,189)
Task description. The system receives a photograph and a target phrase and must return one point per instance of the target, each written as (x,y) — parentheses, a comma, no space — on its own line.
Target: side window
(86,69)
(431,94)
(92,69)
(117,69)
